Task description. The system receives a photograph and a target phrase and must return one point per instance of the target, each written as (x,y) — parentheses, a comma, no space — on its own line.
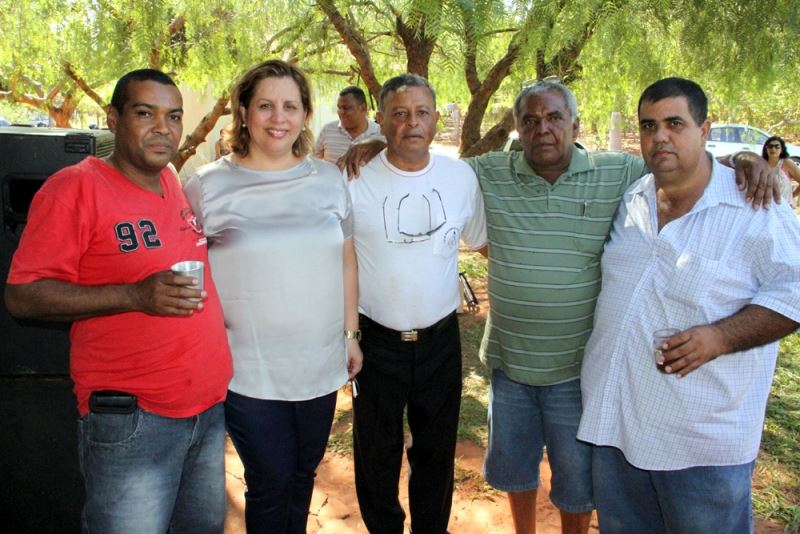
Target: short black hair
(404,80)
(673,87)
(357,93)
(120,95)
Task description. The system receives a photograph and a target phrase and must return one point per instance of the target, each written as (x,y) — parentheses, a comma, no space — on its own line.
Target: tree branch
(199,134)
(355,42)
(25,98)
(80,82)
(175,26)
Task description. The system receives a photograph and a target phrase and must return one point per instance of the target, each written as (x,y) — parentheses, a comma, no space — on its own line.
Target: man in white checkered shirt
(675,448)
(353,126)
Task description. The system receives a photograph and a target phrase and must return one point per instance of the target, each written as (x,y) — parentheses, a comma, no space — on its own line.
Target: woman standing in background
(775,153)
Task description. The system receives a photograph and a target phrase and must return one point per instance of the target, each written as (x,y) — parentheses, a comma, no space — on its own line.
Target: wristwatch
(352,334)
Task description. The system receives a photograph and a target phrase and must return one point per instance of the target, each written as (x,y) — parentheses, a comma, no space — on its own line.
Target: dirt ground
(477,509)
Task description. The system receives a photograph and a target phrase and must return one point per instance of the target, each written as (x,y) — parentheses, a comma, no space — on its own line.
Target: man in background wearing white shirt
(675,448)
(353,125)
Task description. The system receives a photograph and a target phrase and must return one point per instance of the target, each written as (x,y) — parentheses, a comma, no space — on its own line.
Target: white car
(724,139)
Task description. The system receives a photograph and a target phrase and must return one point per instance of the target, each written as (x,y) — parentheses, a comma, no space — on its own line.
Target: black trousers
(424,377)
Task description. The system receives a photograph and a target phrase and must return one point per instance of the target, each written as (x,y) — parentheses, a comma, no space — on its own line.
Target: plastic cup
(659,337)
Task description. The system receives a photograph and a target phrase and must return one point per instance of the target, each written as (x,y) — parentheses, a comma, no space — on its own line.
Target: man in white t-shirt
(410,210)
(353,125)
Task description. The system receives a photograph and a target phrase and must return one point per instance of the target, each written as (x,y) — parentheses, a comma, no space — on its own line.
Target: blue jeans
(700,500)
(523,420)
(150,474)
(280,443)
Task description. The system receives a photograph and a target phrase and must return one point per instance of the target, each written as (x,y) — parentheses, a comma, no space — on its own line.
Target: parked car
(4,122)
(724,139)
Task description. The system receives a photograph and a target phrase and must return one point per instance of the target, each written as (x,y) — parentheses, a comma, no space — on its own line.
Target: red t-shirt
(90,225)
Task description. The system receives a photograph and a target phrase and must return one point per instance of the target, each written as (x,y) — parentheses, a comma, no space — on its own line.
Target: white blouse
(276,252)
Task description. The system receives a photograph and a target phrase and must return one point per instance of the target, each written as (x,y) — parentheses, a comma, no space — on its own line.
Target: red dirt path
(477,509)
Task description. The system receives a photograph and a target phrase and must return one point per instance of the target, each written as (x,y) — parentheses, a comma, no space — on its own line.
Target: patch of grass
(473,265)
(776,483)
(471,483)
(475,388)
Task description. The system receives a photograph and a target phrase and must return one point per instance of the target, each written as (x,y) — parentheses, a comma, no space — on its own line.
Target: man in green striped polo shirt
(549,210)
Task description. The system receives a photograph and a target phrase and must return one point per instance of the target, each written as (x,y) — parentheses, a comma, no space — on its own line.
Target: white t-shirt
(407,226)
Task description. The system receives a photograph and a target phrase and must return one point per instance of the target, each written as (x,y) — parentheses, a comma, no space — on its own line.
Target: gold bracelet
(352,334)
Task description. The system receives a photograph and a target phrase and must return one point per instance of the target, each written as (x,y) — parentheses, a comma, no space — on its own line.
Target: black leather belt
(418,334)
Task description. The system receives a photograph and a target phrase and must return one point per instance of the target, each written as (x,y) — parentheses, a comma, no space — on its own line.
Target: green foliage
(14,114)
(744,53)
(473,265)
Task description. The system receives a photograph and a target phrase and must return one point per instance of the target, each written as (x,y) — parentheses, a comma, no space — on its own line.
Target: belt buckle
(409,335)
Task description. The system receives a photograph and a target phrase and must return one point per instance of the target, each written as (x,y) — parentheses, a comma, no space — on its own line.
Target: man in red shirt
(149,355)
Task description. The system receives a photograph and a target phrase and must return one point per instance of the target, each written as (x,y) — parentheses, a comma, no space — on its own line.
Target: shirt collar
(579,163)
(721,189)
(370,129)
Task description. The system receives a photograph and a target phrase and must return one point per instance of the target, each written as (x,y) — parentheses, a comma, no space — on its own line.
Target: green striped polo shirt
(545,243)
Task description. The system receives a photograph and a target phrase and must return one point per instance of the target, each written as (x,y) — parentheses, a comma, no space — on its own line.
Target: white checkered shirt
(702,267)
(333,140)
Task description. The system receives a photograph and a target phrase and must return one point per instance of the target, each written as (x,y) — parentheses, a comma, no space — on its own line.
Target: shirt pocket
(593,225)
(446,240)
(691,281)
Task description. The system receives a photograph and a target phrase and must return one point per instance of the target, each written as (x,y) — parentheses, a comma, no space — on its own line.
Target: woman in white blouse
(281,251)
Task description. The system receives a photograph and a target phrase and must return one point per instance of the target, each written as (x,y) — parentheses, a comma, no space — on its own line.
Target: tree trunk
(62,114)
(419,47)
(494,138)
(60,118)
(198,136)
(482,92)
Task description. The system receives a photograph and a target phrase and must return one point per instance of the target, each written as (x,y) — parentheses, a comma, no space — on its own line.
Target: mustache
(662,148)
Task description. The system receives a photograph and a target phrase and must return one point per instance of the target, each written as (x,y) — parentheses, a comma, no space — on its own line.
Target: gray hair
(399,82)
(541,87)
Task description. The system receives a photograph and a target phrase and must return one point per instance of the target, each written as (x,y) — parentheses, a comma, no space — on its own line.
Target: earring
(244,126)
(304,129)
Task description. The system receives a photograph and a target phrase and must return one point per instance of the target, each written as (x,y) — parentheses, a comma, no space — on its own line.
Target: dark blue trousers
(280,443)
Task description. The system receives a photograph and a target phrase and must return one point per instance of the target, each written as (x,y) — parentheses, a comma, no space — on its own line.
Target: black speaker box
(27,157)
(41,489)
